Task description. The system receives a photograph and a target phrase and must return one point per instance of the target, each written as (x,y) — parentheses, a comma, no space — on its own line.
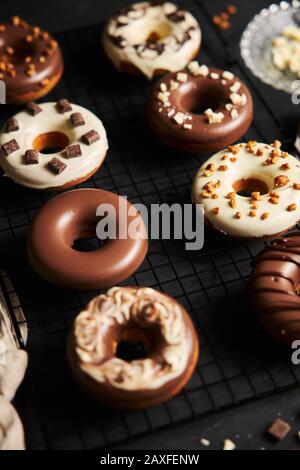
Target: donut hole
(50,142)
(245,187)
(87,241)
(159,31)
(197,100)
(134,343)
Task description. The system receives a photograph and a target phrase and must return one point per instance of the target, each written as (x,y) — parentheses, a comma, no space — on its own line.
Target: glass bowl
(256,43)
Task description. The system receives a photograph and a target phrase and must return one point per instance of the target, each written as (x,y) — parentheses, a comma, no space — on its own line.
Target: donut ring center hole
(134,343)
(152,33)
(198,99)
(87,241)
(245,187)
(50,142)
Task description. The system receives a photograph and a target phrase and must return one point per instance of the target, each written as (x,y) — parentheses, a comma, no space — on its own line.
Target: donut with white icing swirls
(76,135)
(250,190)
(151,38)
(132,313)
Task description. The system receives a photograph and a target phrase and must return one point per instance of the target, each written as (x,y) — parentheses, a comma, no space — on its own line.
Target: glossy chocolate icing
(273,288)
(194,96)
(69,217)
(46,59)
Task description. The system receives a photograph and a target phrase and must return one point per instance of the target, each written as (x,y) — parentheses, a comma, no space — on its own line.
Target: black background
(245,424)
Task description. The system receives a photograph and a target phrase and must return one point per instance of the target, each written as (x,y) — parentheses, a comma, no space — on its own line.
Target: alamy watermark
(162,221)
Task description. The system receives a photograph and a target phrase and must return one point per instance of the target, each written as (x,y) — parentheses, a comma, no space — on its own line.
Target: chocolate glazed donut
(72,216)
(177,106)
(31,61)
(274,286)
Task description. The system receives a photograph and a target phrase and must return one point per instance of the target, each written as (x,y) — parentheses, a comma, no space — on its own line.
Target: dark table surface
(244,424)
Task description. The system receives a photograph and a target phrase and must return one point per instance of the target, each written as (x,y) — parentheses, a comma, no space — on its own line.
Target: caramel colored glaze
(71,216)
(273,285)
(203,137)
(23,85)
(135,399)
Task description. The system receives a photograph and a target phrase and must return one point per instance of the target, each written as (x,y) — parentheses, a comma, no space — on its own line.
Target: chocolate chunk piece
(31,157)
(90,137)
(56,165)
(64,106)
(177,16)
(279,429)
(73,151)
(33,108)
(12,125)
(119,41)
(77,119)
(10,146)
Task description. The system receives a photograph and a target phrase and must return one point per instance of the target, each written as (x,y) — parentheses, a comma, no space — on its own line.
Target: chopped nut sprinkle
(276,144)
(233,159)
(255,196)
(260,152)
(265,215)
(274,200)
(292,207)
(216,210)
(285,166)
(281,180)
(233,149)
(296,186)
(223,168)
(232,203)
(252,213)
(230,195)
(238,215)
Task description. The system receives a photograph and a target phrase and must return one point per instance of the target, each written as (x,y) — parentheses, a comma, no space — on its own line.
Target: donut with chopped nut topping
(31,62)
(250,190)
(200,109)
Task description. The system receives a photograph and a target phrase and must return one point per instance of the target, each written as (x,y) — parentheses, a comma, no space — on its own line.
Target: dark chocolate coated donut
(31,61)
(69,217)
(274,285)
(187,96)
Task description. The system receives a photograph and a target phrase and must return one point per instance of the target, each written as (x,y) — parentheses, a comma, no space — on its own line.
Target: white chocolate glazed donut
(152,38)
(269,174)
(52,120)
(109,318)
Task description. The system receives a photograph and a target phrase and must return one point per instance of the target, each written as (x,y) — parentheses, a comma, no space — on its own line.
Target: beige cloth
(13,363)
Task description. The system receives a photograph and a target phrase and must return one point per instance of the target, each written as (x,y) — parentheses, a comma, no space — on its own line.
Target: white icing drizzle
(248,165)
(126,40)
(145,307)
(48,120)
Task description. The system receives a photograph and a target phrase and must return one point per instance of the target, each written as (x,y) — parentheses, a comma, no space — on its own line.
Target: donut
(200,109)
(72,216)
(31,61)
(75,137)
(274,288)
(136,315)
(250,190)
(151,38)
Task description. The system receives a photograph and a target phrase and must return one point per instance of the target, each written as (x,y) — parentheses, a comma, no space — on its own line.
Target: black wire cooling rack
(238,362)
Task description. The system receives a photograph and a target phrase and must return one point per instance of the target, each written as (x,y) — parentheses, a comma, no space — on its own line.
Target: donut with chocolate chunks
(31,61)
(274,286)
(200,109)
